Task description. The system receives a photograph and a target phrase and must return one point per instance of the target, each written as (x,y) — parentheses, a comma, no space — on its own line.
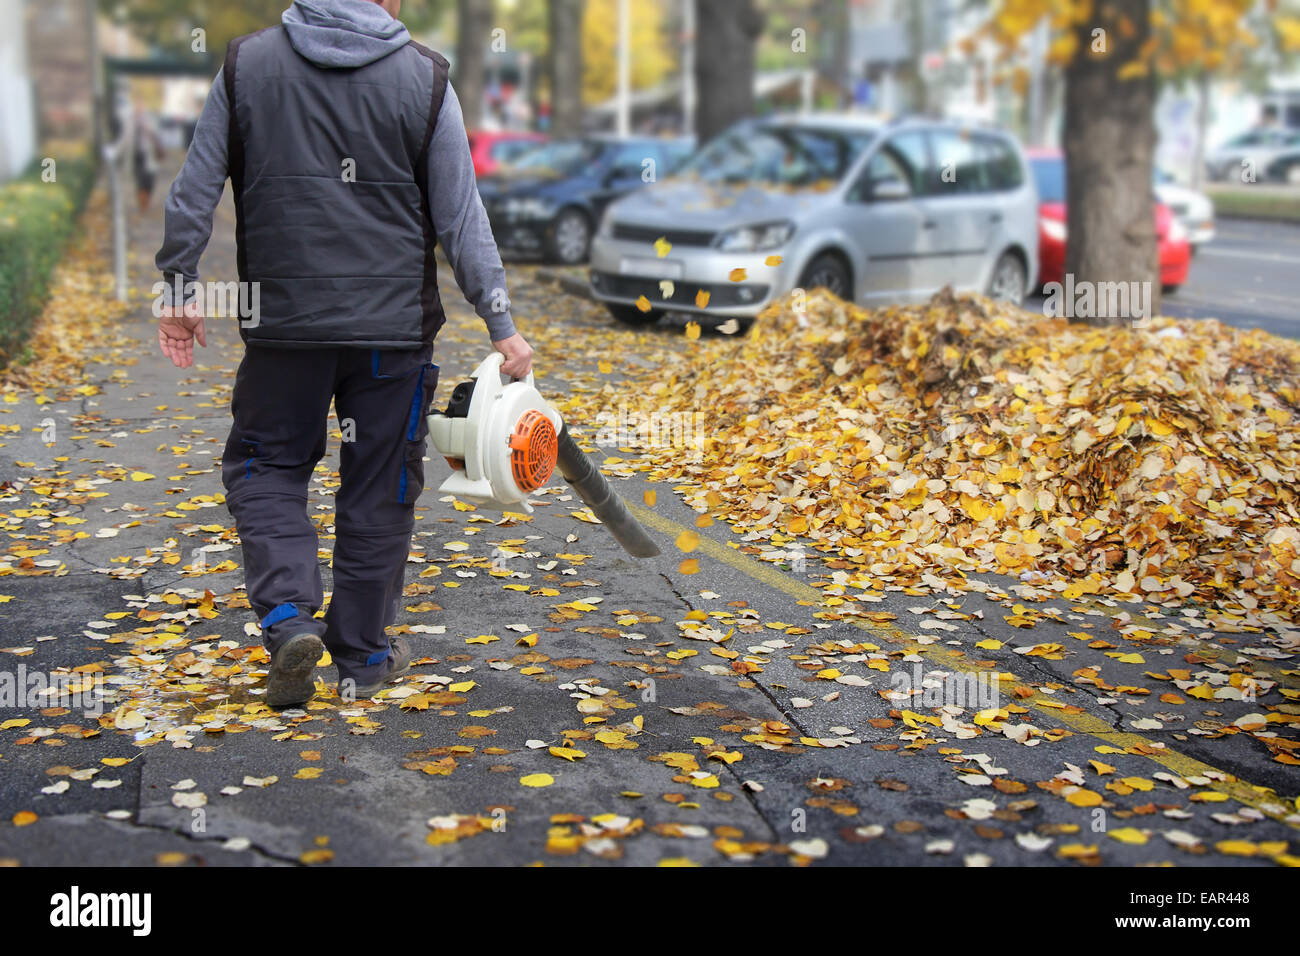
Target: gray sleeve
(194,196)
(462,224)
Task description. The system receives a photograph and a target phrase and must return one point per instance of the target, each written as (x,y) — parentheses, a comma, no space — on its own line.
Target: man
(348,160)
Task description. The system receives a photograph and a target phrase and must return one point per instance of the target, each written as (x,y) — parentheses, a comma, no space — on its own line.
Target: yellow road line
(1262,799)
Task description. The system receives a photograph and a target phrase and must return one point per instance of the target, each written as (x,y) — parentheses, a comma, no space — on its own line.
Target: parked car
(1193,209)
(490,148)
(1284,167)
(1049,174)
(873,213)
(1259,146)
(549,200)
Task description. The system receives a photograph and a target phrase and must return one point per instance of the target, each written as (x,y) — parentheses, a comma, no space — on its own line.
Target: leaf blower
(503,441)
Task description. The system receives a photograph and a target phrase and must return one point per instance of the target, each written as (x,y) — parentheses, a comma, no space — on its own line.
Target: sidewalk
(579,706)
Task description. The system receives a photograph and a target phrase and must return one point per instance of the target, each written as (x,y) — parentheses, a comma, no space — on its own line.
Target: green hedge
(1267,202)
(36,220)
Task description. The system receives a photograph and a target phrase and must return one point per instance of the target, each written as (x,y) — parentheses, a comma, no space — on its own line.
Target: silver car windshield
(781,155)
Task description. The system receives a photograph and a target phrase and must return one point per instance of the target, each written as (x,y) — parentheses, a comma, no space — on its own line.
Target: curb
(569,283)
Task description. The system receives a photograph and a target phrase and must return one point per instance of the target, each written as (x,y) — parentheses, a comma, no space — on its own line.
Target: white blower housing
(505,445)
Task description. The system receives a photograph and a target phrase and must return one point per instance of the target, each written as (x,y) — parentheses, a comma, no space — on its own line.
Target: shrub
(36,220)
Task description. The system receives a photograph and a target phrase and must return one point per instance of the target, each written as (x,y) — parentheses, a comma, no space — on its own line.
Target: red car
(1048,166)
(490,149)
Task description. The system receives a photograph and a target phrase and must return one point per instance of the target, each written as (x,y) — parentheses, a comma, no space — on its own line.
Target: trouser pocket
(411,482)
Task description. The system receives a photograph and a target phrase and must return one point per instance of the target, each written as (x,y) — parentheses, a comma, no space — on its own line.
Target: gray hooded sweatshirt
(345,33)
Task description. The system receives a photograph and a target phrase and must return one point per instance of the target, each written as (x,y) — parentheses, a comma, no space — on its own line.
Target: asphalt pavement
(566,707)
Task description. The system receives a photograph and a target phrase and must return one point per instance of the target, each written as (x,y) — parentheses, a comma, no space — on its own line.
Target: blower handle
(493,363)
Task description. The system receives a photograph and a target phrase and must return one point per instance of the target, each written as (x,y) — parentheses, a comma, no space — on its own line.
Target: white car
(877,214)
(1257,148)
(1194,210)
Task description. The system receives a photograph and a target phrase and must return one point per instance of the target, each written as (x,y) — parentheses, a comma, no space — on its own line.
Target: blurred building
(62,60)
(17,115)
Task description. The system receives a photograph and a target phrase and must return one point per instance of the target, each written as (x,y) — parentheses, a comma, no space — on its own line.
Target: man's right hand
(177,330)
(518,353)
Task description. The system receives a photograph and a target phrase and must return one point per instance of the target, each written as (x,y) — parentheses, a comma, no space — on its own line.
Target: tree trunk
(833,47)
(725,35)
(1109,145)
(1202,123)
(473,24)
(564,65)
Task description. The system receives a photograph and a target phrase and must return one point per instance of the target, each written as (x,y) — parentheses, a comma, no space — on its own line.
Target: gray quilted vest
(328,172)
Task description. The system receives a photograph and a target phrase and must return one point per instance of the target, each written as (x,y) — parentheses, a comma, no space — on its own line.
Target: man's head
(393,7)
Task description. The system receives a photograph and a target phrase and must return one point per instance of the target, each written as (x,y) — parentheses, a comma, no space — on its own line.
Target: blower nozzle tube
(594,490)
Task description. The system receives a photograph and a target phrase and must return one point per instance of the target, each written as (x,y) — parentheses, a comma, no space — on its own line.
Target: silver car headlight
(765,235)
(530,207)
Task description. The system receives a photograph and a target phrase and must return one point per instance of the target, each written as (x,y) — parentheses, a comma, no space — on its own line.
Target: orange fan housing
(534,445)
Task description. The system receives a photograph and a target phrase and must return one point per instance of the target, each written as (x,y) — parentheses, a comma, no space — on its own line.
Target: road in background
(1249,276)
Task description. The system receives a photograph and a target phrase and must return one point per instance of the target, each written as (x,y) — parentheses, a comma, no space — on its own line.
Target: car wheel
(1008,282)
(1169,289)
(631,315)
(570,237)
(827,271)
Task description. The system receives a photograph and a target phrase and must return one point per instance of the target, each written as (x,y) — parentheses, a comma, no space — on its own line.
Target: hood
(504,181)
(691,204)
(343,33)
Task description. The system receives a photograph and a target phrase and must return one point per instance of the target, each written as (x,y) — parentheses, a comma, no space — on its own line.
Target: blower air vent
(534,445)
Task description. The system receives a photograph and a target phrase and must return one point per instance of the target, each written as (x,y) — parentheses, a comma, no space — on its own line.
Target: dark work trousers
(280,406)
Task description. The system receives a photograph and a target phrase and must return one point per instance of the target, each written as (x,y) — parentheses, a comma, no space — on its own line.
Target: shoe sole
(292,671)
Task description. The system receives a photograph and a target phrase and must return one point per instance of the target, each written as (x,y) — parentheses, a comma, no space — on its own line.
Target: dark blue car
(550,200)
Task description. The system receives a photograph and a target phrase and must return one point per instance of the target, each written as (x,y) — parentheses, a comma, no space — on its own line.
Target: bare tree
(564,65)
(726,32)
(473,25)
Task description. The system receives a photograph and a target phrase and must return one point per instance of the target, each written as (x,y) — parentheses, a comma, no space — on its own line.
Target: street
(1245,277)
(570,704)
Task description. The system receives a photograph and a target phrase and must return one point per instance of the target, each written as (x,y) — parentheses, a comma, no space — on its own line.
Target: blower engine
(503,441)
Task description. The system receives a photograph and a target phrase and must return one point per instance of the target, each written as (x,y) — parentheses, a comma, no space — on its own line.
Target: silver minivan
(878,213)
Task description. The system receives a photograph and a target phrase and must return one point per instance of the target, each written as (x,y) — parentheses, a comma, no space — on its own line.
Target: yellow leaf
(537,780)
(567,753)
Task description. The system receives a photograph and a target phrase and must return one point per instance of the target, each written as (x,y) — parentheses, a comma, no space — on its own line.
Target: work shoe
(400,664)
(293,667)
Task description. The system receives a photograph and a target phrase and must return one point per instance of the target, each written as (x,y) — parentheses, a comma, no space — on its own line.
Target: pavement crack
(671,587)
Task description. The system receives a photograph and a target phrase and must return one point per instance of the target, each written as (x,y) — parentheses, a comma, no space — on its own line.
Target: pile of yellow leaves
(961,436)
